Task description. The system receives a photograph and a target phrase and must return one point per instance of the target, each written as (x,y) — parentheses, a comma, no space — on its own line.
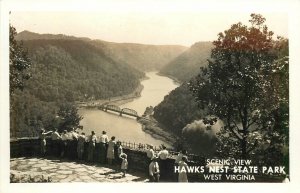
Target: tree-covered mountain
(187,65)
(178,109)
(74,69)
(140,56)
(62,70)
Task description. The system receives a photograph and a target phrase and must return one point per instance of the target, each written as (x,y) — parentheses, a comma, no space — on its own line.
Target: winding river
(127,128)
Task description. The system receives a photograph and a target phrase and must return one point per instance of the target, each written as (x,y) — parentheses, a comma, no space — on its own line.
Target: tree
(69,117)
(236,86)
(18,62)
(18,65)
(277,100)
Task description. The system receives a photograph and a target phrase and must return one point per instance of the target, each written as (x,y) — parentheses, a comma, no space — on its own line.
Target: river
(127,128)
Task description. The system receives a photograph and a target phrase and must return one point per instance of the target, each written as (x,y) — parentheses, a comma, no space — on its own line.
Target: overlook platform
(69,171)
(27,165)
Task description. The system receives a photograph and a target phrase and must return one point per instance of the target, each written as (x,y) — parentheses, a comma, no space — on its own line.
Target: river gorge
(155,87)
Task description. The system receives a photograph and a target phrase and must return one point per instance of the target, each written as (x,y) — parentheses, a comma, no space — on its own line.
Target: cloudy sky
(173,27)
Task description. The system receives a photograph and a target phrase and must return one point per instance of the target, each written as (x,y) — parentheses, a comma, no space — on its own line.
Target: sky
(159,26)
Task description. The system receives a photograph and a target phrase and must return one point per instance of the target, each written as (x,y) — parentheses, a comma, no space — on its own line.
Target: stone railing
(137,157)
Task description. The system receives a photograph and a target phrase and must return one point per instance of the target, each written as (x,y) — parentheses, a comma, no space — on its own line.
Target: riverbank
(176,80)
(118,100)
(152,127)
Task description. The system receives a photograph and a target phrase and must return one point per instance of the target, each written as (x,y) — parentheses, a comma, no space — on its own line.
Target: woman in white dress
(111,150)
(182,176)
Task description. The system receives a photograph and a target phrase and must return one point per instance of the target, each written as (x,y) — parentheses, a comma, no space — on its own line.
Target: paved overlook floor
(70,171)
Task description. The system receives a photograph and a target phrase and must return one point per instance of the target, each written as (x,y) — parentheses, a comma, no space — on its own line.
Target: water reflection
(127,128)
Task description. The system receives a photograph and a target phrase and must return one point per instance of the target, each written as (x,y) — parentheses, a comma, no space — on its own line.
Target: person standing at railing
(182,175)
(92,144)
(103,140)
(177,160)
(118,152)
(180,155)
(150,153)
(43,135)
(64,142)
(73,134)
(56,139)
(163,155)
(80,145)
(110,150)
(104,137)
(154,170)
(72,143)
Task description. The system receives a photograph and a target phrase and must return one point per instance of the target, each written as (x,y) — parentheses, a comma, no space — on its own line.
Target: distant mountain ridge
(187,65)
(28,35)
(140,56)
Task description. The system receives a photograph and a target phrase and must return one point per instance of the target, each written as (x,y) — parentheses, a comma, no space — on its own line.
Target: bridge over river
(114,108)
(124,111)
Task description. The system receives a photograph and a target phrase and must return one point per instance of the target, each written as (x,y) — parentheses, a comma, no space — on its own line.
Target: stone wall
(137,159)
(24,147)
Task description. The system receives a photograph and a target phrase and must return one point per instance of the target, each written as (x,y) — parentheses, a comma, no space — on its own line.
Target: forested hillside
(187,65)
(140,56)
(74,69)
(178,109)
(64,70)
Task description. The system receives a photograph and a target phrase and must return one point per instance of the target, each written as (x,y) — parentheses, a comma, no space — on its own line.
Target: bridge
(124,111)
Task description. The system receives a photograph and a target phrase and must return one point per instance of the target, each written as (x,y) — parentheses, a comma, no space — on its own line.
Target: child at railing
(124,164)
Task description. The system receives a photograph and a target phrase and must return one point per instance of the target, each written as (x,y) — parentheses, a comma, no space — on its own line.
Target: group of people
(158,164)
(111,152)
